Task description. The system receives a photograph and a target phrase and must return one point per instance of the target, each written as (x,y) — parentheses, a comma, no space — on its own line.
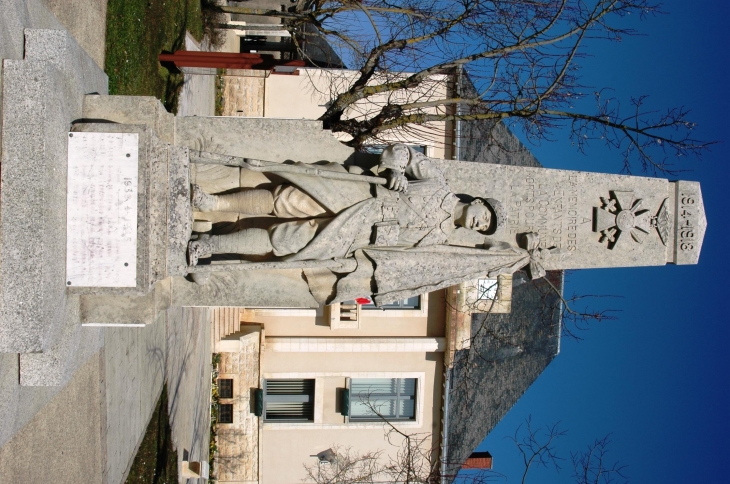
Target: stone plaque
(690,222)
(101,222)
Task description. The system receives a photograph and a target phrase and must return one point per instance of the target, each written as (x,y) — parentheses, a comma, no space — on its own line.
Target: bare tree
(575,313)
(523,58)
(537,446)
(416,459)
(416,462)
(591,466)
(344,465)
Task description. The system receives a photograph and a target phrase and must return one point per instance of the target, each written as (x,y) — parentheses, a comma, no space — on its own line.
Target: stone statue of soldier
(400,234)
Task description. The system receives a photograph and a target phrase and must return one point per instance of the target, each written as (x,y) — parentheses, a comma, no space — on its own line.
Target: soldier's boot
(250,202)
(245,242)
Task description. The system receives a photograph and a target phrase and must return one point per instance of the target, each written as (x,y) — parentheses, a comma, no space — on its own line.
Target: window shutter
(289,400)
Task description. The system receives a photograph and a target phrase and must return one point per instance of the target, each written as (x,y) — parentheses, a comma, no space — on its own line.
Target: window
(225,388)
(289,400)
(389,398)
(410,303)
(225,413)
(487,289)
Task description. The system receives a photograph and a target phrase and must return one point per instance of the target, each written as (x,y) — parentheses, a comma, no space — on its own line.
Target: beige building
(316,375)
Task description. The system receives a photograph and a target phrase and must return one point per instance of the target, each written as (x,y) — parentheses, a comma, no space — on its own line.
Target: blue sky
(658,378)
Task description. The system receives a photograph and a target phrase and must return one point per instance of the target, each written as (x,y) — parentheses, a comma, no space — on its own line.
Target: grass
(156,460)
(219,88)
(137,32)
(215,399)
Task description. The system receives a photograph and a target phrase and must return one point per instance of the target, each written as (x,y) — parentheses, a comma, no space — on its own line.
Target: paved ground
(188,373)
(63,440)
(133,360)
(89,430)
(197,97)
(86,20)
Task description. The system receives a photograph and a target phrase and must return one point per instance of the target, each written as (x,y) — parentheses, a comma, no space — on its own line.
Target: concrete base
(56,365)
(146,110)
(42,95)
(115,310)
(261,138)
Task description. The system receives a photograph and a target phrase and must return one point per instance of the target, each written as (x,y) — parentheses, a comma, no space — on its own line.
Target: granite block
(33,212)
(157,195)
(59,48)
(55,366)
(41,96)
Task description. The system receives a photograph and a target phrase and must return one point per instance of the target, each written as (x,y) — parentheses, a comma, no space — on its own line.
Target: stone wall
(238,443)
(243,96)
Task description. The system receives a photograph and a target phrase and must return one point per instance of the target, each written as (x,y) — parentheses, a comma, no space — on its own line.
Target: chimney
(478,460)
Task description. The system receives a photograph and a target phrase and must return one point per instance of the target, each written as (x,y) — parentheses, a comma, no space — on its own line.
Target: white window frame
(377,419)
(491,288)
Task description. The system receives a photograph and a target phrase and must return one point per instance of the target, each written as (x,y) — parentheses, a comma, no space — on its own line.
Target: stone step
(42,96)
(225,321)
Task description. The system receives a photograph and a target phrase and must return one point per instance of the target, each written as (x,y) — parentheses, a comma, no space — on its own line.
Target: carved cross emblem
(662,221)
(620,213)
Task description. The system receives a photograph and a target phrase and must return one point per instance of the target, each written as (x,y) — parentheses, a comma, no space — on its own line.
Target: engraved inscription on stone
(101,223)
(690,222)
(549,209)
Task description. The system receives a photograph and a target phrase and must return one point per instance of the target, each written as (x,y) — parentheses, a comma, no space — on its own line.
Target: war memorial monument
(111,218)
(114,210)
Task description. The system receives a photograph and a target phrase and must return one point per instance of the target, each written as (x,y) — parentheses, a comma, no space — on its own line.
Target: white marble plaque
(101,220)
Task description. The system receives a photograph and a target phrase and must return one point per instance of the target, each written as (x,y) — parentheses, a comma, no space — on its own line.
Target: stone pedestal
(42,95)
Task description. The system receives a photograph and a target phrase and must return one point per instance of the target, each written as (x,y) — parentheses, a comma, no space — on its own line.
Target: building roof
(486,140)
(508,352)
(317,50)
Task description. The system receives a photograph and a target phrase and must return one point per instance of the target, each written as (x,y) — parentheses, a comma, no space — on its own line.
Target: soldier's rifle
(261,166)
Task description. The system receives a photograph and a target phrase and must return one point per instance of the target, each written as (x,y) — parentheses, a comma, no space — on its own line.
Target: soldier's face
(478,217)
